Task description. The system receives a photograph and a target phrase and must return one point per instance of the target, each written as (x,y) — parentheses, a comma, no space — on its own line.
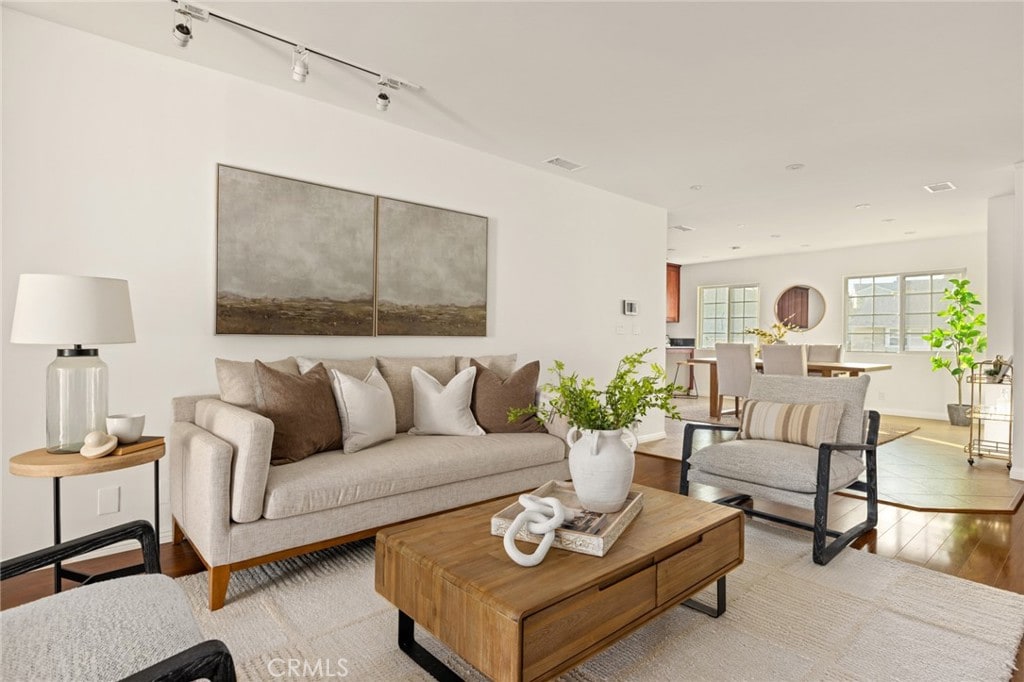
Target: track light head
(383,101)
(182,31)
(300,64)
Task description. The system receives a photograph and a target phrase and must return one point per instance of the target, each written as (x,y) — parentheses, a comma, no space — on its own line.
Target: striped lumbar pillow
(806,424)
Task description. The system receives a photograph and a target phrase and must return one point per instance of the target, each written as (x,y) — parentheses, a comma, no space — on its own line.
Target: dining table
(826,369)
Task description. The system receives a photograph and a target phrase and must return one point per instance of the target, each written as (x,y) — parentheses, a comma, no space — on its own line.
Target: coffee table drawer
(716,549)
(570,626)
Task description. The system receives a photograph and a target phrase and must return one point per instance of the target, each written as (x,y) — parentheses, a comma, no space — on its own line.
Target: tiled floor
(925,470)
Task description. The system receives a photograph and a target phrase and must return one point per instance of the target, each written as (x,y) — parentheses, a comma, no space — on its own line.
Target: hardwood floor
(984,548)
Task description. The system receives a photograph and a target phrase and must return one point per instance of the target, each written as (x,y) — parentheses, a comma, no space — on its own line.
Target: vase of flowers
(774,334)
(600,462)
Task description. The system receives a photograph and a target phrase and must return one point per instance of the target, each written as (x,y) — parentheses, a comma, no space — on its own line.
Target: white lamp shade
(71,309)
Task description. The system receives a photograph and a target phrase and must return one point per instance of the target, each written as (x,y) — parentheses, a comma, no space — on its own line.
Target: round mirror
(801,306)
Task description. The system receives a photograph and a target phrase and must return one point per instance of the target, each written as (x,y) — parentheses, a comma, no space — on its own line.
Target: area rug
(862,617)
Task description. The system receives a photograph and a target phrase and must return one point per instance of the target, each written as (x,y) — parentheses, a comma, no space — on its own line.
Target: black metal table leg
(156,500)
(705,609)
(423,658)
(56,532)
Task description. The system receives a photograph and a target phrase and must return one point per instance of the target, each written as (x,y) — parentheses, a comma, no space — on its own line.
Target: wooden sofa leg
(177,534)
(219,576)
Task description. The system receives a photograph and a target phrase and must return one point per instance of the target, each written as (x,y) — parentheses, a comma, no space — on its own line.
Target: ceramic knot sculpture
(540,516)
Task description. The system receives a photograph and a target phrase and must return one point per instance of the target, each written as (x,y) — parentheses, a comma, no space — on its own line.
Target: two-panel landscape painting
(295,257)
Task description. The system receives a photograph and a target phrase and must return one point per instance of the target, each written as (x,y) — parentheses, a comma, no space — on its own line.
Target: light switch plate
(108,500)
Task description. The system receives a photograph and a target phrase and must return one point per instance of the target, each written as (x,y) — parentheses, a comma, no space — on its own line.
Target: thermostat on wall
(630,308)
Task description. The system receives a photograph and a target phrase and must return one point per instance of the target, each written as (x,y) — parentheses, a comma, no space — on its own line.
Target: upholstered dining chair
(824,352)
(800,440)
(735,366)
(138,627)
(784,359)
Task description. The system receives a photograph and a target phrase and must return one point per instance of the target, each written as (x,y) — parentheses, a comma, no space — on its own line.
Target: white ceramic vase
(601,466)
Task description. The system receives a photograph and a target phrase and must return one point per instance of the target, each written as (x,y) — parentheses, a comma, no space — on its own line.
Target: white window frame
(900,344)
(731,336)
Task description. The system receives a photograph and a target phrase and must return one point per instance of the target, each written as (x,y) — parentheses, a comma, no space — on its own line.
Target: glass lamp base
(76,399)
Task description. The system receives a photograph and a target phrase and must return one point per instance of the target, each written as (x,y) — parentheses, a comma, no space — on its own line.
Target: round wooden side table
(42,464)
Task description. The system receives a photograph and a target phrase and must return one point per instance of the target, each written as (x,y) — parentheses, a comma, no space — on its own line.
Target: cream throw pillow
(366,407)
(808,424)
(443,410)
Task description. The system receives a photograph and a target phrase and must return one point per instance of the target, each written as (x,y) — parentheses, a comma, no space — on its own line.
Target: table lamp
(70,310)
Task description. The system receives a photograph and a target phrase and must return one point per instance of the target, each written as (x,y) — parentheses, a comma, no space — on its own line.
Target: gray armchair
(791,473)
(137,628)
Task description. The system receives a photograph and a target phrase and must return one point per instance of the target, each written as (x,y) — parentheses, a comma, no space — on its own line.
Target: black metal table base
(719,607)
(60,573)
(439,671)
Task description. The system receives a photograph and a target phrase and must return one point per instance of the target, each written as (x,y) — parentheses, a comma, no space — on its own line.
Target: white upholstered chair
(774,460)
(825,352)
(784,359)
(735,366)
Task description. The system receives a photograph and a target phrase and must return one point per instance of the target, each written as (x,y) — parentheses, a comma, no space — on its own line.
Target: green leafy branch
(627,398)
(962,334)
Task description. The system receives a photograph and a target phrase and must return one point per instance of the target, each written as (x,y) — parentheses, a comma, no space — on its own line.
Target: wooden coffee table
(450,575)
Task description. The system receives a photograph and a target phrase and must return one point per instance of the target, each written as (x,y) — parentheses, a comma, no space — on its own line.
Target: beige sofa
(238,511)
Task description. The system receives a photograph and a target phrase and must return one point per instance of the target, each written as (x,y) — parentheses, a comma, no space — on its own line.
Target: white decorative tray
(590,533)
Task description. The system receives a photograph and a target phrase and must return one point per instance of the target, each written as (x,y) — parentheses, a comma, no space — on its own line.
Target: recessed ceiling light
(735,248)
(861,206)
(740,226)
(804,246)
(940,187)
(564,164)
(795,166)
(696,188)
(672,250)
(888,220)
(775,236)
(705,257)
(682,228)
(910,232)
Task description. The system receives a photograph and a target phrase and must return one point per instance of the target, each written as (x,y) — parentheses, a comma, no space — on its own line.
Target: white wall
(1002,262)
(109,168)
(1014,278)
(910,388)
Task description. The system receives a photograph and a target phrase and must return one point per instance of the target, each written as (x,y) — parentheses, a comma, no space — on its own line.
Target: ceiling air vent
(682,228)
(564,164)
(940,187)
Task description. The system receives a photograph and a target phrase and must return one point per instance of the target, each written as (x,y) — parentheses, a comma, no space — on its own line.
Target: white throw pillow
(367,410)
(443,410)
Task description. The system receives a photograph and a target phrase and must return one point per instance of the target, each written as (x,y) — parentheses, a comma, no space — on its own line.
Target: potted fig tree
(958,342)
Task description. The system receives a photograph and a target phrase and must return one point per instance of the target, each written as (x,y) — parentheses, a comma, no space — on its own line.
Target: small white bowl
(127,427)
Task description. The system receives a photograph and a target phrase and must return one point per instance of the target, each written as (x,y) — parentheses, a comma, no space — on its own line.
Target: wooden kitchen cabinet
(672,292)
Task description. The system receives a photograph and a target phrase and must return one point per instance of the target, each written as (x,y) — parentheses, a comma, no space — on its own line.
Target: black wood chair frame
(822,550)
(206,660)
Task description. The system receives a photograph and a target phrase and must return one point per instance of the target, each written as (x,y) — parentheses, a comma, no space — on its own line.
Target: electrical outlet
(881,395)
(636,330)
(620,329)
(108,500)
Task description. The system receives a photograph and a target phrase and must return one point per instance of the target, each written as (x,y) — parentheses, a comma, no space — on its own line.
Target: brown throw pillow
(303,410)
(493,396)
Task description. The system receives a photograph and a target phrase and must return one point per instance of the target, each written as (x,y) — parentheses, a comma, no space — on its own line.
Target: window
(889,313)
(725,312)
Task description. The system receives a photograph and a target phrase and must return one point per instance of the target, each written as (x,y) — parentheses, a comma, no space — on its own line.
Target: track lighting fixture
(182,31)
(185,12)
(300,64)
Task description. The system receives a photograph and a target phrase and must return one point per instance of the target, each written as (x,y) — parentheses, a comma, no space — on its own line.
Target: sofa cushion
(494,396)
(357,368)
(407,463)
(398,373)
(502,365)
(303,410)
(809,424)
(439,410)
(775,464)
(237,380)
(366,408)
